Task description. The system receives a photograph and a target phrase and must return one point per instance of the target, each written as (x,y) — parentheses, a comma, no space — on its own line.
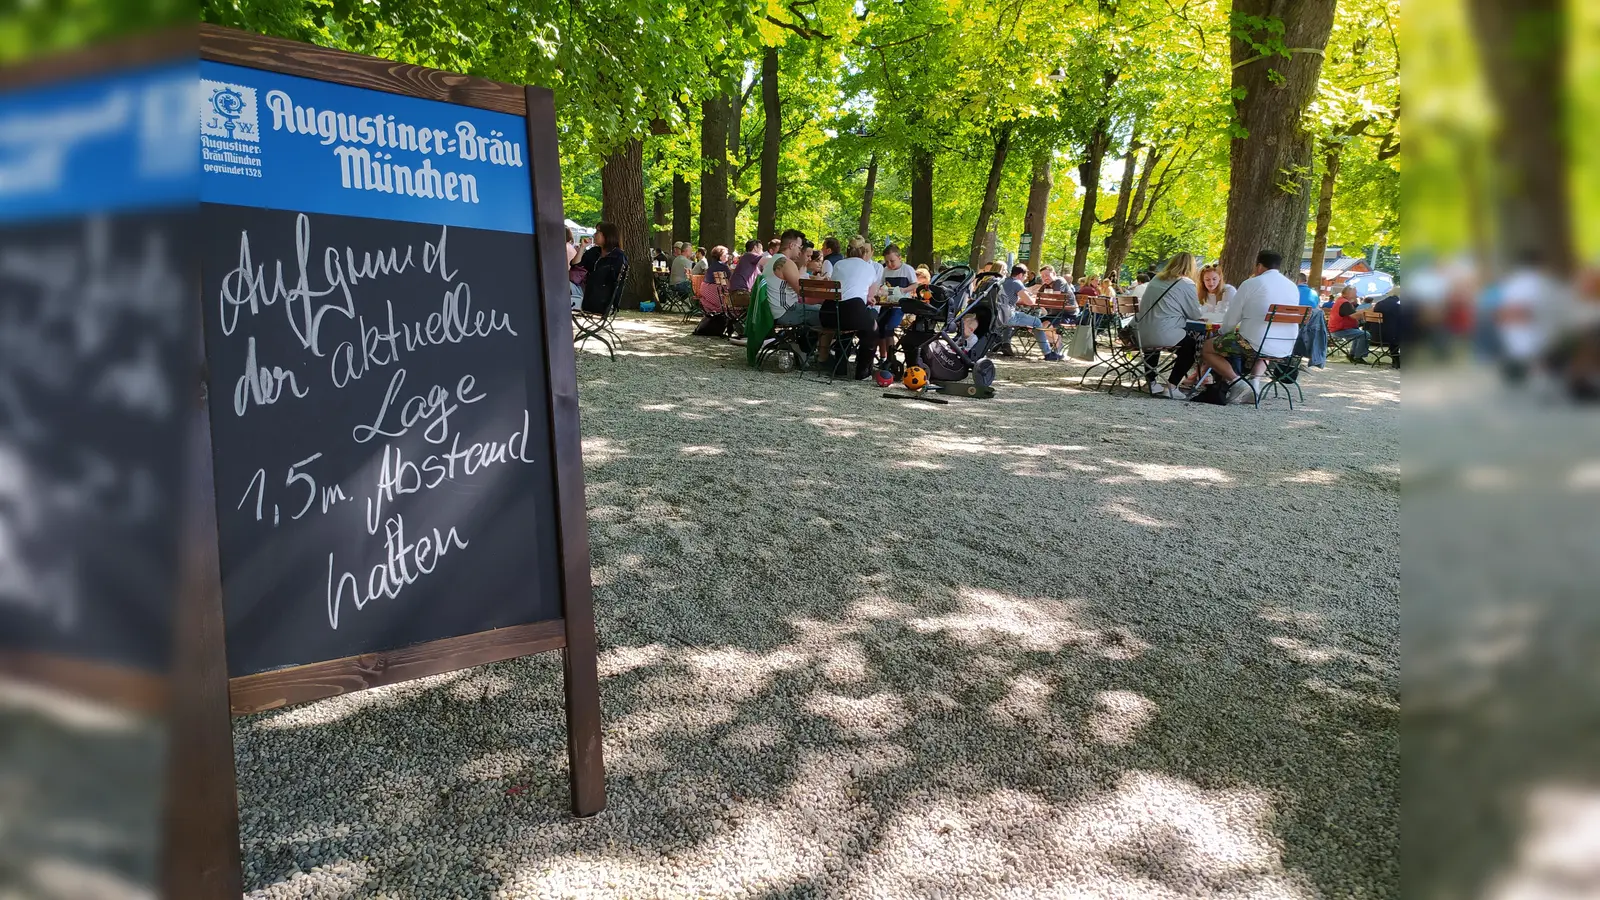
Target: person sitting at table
(701,263)
(715,321)
(1215,293)
(1019,310)
(858,281)
(1170,303)
(747,268)
(1088,288)
(578,272)
(1141,283)
(783,295)
(1396,329)
(1343,324)
(678,270)
(831,252)
(1049,281)
(791,246)
(896,274)
(1245,328)
(601,284)
(816,266)
(1308,297)
(923,275)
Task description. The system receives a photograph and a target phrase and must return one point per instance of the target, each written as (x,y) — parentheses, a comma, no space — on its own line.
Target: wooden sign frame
(205,830)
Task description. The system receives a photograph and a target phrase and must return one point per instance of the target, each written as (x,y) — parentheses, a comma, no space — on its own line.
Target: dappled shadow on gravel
(1060,643)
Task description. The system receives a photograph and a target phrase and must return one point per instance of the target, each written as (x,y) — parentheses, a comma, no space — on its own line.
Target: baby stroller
(939,347)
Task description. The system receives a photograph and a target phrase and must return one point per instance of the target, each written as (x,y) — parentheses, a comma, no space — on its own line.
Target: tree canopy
(1129,103)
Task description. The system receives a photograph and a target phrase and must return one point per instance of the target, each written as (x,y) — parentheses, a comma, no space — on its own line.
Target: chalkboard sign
(383,466)
(395,471)
(96,303)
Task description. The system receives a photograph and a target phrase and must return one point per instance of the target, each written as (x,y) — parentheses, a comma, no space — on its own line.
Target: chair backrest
(1127,306)
(739,299)
(818,290)
(1097,305)
(622,286)
(1373,322)
(1279,314)
(721,278)
(695,283)
(1056,300)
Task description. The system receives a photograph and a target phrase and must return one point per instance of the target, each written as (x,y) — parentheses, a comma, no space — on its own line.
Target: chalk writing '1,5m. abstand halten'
(351,309)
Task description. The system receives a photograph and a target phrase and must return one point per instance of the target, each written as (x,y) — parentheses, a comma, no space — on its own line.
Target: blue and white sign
(282,142)
(106,143)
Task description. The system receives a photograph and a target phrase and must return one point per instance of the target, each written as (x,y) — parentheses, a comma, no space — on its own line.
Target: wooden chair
(1279,316)
(693,308)
(817,292)
(1058,304)
(1378,349)
(600,325)
(737,307)
(1108,316)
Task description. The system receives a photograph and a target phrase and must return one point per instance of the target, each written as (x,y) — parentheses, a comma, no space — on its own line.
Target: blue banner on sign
(106,143)
(283,142)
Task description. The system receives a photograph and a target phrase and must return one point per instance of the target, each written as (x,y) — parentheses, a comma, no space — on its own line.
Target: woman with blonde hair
(1170,303)
(859,282)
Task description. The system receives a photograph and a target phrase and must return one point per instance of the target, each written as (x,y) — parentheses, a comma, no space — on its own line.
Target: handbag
(1081,346)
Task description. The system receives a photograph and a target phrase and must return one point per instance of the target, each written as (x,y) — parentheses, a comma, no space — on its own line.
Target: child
(969,332)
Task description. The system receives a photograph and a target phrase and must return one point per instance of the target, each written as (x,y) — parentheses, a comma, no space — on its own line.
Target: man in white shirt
(1245,328)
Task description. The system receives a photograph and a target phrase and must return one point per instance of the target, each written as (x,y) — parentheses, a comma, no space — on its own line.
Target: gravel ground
(1052,644)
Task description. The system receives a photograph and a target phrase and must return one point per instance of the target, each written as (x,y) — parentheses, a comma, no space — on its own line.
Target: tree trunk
(714,172)
(1135,217)
(735,138)
(660,231)
(920,252)
(622,202)
(682,214)
(1119,219)
(1319,243)
(1089,175)
(991,197)
(1269,194)
(863,228)
(1524,47)
(1038,205)
(767,206)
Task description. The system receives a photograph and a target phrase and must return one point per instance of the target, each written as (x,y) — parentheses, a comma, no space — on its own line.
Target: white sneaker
(1173,392)
(1238,390)
(1157,390)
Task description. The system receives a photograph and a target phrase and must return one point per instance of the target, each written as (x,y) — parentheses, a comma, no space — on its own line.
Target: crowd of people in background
(1171,302)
